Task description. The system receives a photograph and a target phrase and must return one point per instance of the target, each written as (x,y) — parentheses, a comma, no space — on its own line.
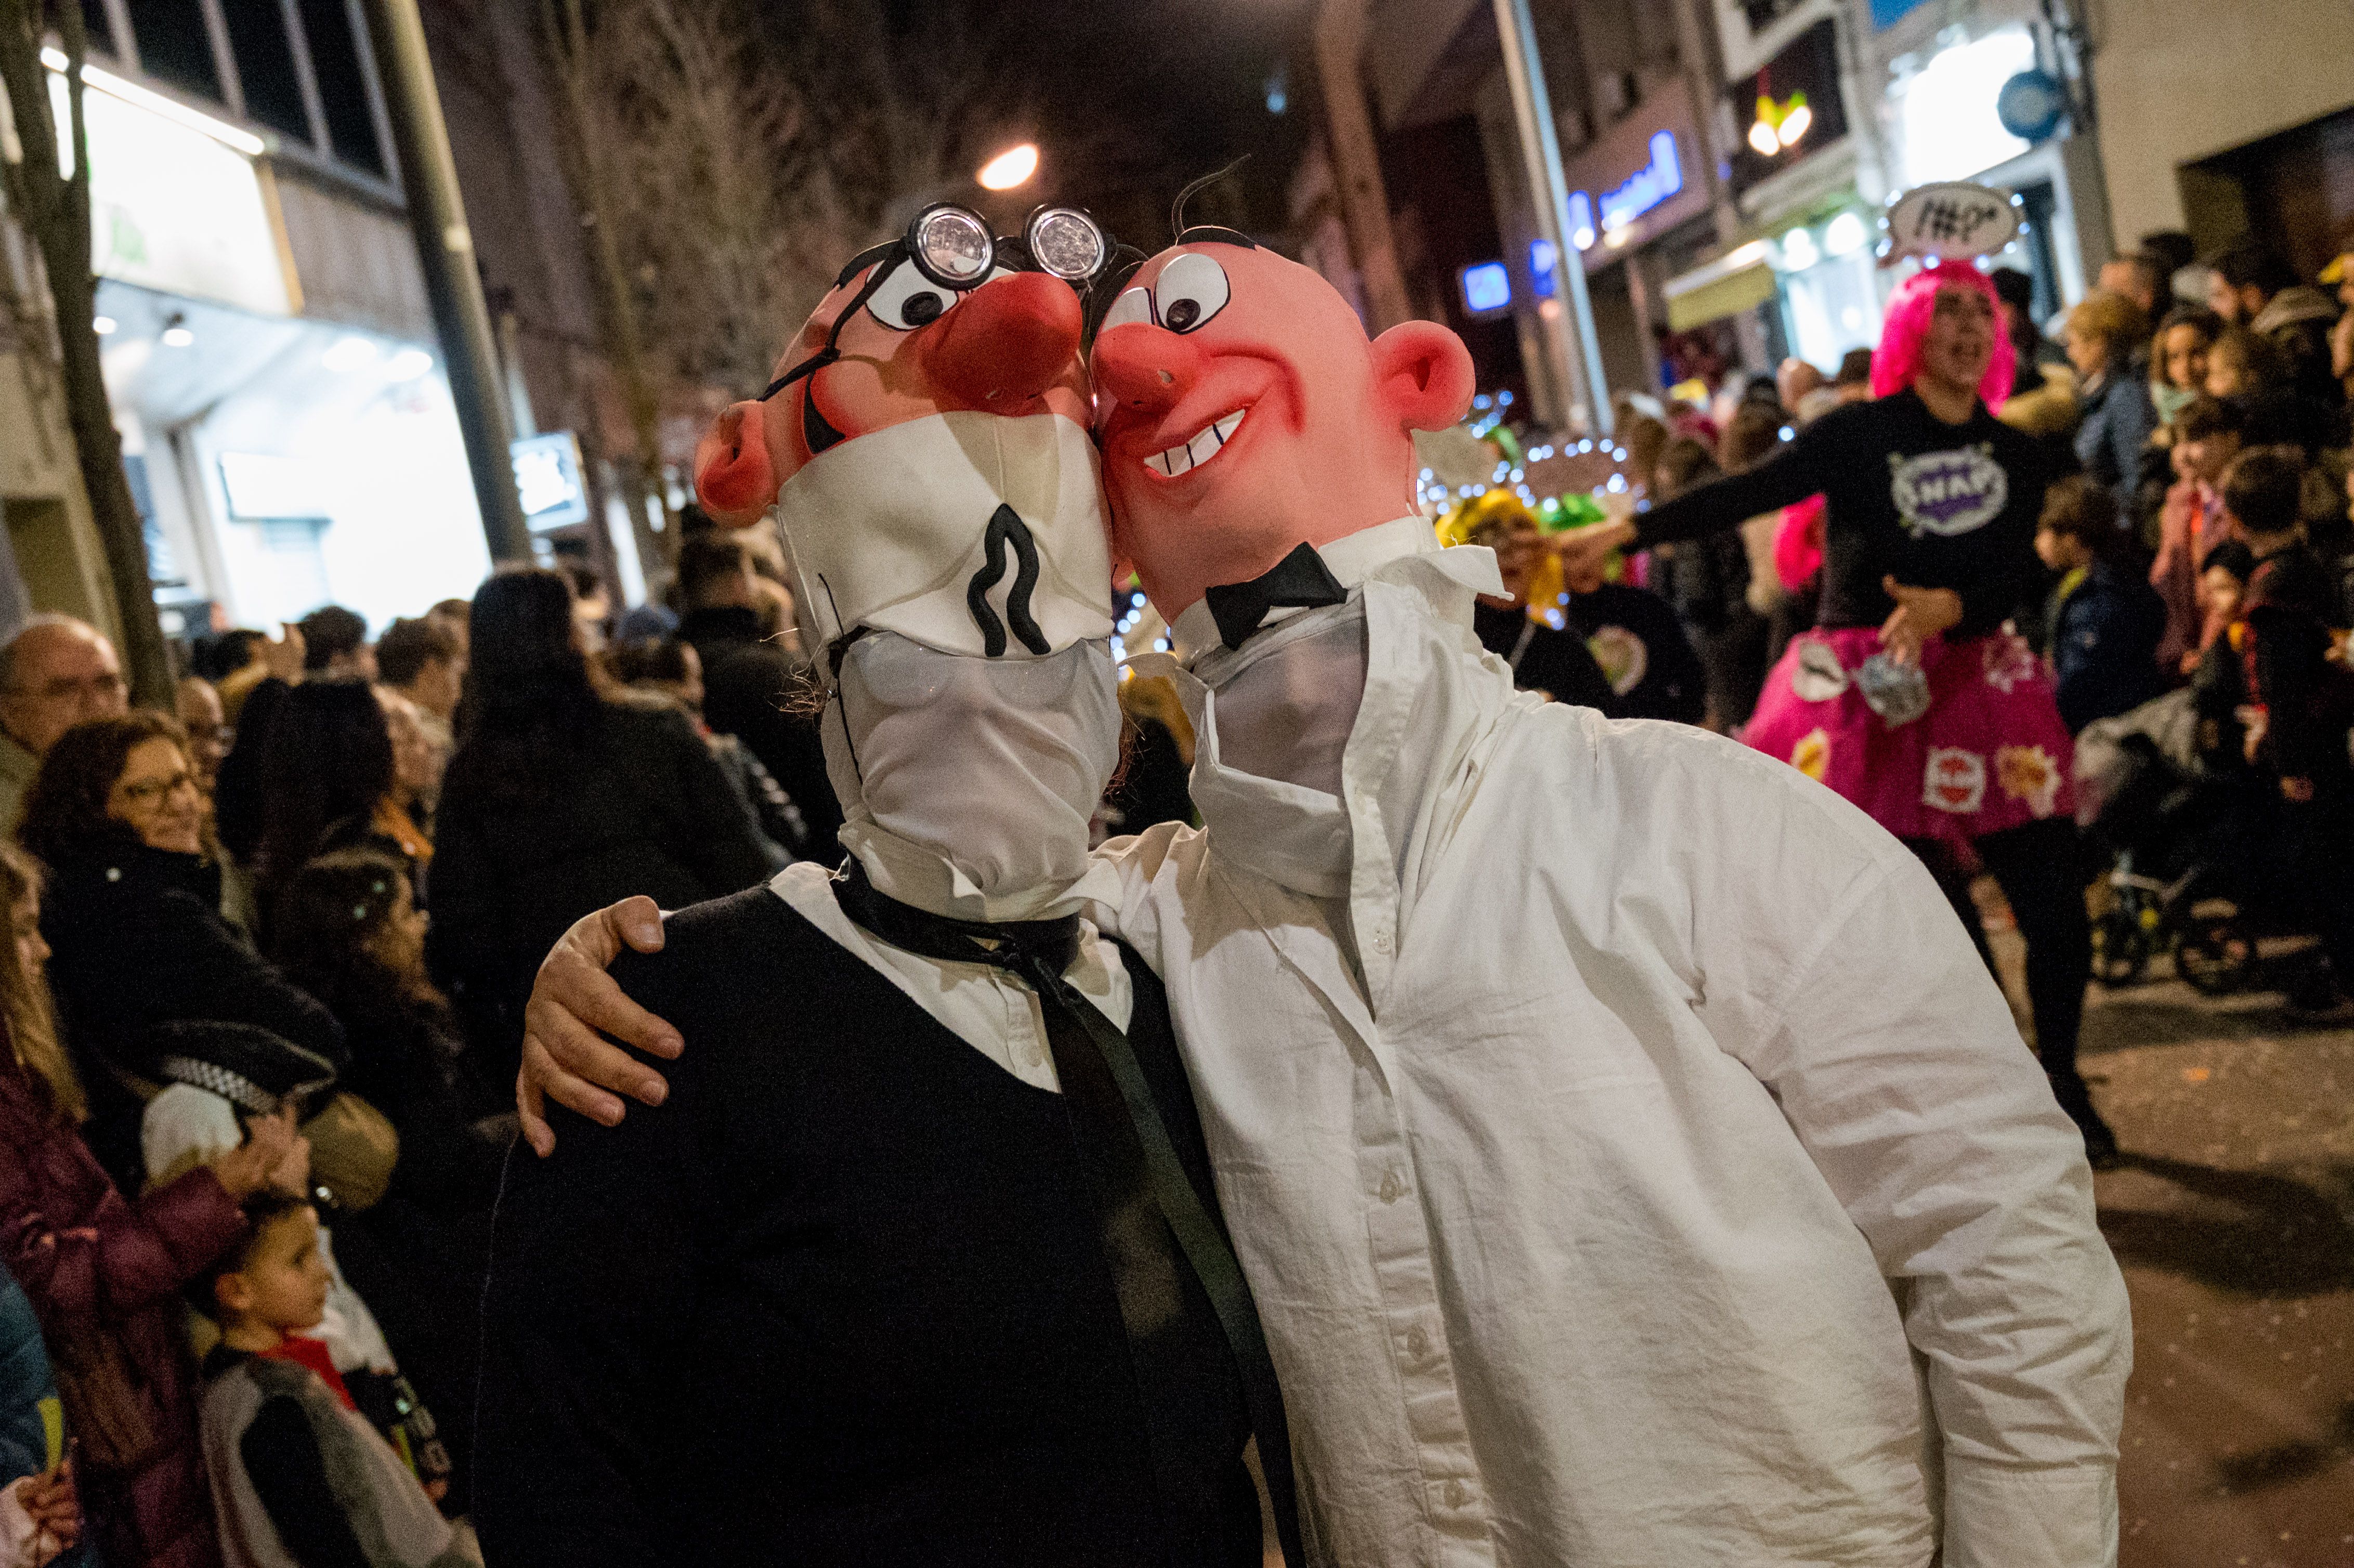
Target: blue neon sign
(1647,187)
(1487,288)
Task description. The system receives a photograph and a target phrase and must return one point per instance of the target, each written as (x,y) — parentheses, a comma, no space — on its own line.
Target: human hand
(564,1057)
(1921,613)
(54,1506)
(2341,346)
(1584,552)
(2298,789)
(270,1143)
(2255,723)
(283,653)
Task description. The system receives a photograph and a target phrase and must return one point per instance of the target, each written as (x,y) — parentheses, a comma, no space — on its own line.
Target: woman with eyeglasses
(134,917)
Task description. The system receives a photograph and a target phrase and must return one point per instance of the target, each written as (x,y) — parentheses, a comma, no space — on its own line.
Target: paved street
(2233,1219)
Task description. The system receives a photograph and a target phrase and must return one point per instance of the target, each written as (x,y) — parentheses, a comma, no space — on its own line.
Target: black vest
(843,1298)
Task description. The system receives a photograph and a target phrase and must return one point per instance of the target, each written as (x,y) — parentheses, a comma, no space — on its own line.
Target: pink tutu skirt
(1990,754)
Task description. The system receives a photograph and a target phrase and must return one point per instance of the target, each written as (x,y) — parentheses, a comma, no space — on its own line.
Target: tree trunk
(640,472)
(56,212)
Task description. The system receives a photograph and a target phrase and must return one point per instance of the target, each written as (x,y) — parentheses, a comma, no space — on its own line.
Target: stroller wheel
(2216,954)
(2120,947)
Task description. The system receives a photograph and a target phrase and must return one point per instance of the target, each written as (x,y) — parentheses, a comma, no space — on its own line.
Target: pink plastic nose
(1144,367)
(1007,341)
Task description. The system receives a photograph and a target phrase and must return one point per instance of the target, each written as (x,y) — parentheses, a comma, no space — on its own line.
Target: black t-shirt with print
(1931,504)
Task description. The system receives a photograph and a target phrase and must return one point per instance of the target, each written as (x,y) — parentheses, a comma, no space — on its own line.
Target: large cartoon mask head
(1242,412)
(924,446)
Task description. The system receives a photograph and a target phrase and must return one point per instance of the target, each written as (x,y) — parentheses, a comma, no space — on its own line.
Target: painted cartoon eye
(1191,290)
(907,300)
(1133,305)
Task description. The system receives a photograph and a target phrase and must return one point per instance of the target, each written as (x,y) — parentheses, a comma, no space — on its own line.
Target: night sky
(1131,99)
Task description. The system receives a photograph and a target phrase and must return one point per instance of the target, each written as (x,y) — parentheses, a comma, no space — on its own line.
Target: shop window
(174,45)
(265,65)
(336,63)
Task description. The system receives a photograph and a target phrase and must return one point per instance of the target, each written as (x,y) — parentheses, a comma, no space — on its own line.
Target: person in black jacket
(134,917)
(560,799)
(1542,655)
(750,684)
(2104,621)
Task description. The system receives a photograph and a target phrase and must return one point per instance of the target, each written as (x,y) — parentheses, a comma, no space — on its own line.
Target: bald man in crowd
(55,672)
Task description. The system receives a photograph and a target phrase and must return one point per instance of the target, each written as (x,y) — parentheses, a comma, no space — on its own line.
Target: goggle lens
(1065,242)
(953,247)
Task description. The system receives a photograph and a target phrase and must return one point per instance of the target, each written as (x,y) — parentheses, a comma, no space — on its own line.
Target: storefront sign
(1638,168)
(176,209)
(548,480)
(1646,188)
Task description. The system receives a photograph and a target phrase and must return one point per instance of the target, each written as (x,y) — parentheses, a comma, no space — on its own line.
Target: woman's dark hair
(218,657)
(327,758)
(2210,325)
(323,931)
(649,658)
(1750,435)
(1685,461)
(66,808)
(531,698)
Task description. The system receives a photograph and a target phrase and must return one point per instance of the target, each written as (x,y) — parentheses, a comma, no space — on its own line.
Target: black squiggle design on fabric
(1006,528)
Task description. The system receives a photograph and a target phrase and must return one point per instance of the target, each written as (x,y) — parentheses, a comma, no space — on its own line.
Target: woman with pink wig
(1912,697)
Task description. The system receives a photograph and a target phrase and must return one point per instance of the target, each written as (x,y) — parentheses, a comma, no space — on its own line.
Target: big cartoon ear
(733,476)
(1423,372)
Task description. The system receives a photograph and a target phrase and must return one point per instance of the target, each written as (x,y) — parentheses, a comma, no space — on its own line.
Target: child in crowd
(2104,621)
(2206,435)
(2272,677)
(299,1476)
(2222,584)
(352,935)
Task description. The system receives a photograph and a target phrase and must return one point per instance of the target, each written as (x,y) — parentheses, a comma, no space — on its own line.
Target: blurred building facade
(1728,160)
(271,359)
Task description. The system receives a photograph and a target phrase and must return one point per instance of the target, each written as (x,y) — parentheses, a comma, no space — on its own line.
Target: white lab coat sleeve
(1894,1058)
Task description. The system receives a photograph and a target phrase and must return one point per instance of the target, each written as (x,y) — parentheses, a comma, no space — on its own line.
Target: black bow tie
(1299,581)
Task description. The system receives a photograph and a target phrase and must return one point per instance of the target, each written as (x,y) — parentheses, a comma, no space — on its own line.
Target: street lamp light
(1010,168)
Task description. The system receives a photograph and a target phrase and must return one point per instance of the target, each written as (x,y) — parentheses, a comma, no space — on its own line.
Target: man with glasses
(55,672)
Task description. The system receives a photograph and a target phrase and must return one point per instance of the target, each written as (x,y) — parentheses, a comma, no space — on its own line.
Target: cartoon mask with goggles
(927,450)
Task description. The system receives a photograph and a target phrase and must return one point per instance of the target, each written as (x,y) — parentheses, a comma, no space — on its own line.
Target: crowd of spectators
(264,1001)
(270,949)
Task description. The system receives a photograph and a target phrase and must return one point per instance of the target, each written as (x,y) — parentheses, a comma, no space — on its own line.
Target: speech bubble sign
(1952,221)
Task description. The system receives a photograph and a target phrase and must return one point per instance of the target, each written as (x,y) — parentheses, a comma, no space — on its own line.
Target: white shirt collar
(1352,560)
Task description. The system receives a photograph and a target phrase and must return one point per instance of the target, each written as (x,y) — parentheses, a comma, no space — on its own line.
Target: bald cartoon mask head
(928,455)
(1241,412)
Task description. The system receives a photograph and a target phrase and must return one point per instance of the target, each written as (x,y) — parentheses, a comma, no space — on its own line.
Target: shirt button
(1392,1187)
(1417,1341)
(1380,941)
(1457,1494)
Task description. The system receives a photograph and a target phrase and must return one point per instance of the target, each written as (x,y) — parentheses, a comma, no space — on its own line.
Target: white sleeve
(1895,1060)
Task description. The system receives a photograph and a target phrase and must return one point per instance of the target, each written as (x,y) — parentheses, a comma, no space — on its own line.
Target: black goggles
(952,247)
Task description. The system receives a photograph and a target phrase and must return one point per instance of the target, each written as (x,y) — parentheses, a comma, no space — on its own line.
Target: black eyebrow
(864,259)
(1211,234)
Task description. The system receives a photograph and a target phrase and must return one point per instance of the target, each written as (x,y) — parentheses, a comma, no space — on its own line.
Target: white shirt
(982,1005)
(1675,1188)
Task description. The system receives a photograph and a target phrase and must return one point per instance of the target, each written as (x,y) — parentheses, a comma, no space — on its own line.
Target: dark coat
(644,808)
(117,909)
(2102,636)
(747,683)
(93,1262)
